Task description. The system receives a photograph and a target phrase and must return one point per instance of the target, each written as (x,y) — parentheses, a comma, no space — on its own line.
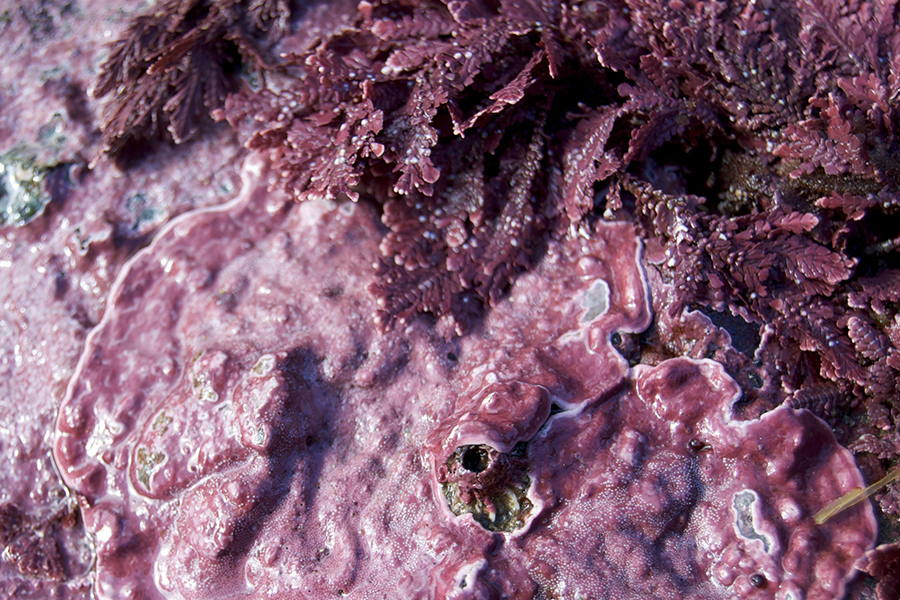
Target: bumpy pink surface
(56,272)
(238,428)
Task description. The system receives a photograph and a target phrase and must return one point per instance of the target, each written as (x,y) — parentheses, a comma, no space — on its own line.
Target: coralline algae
(237,427)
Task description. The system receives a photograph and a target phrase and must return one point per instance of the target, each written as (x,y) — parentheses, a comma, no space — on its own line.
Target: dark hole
(679,523)
(757,581)
(688,160)
(743,401)
(452,356)
(61,285)
(555,409)
(745,336)
(754,380)
(475,459)
(698,446)
(601,193)
(616,339)
(871,243)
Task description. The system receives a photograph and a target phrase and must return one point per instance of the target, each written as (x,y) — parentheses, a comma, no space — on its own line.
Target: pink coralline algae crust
(56,271)
(238,427)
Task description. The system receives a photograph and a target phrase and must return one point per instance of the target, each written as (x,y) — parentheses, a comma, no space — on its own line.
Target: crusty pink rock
(238,427)
(56,271)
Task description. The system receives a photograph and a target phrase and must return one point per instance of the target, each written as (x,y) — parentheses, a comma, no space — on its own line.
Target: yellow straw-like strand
(854,496)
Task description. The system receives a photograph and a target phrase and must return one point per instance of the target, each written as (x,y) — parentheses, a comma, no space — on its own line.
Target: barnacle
(23,194)
(490,485)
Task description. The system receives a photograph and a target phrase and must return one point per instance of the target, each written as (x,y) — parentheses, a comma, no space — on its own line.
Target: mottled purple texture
(238,425)
(750,145)
(56,271)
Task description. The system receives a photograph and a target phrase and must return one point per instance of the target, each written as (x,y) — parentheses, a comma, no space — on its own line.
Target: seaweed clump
(175,64)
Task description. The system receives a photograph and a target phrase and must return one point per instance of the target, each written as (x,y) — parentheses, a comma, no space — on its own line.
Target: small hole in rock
(757,581)
(698,446)
(754,380)
(475,459)
(616,339)
(490,485)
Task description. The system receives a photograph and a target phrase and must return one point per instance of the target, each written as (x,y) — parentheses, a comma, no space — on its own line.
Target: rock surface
(238,427)
(56,270)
